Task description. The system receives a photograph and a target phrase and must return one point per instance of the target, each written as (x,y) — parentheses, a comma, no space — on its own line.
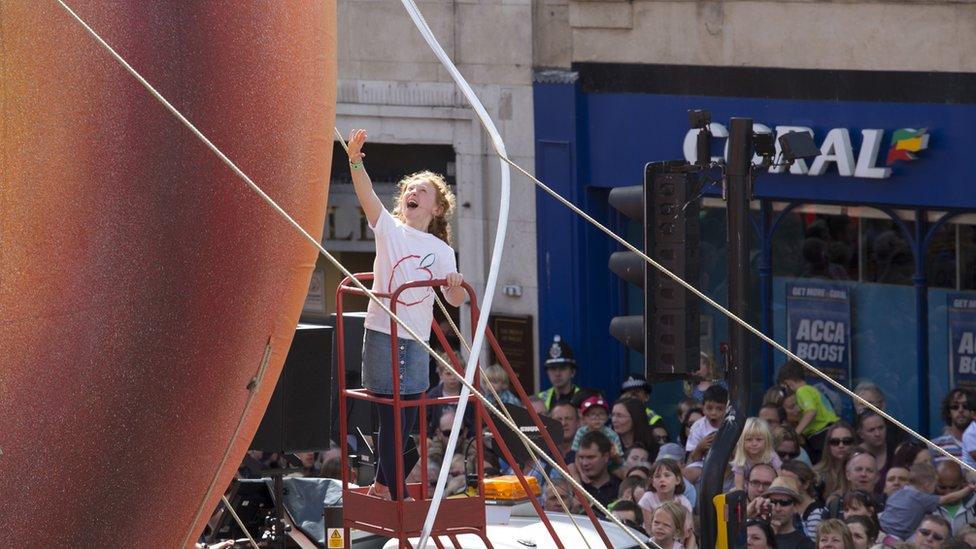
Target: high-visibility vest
(652,417)
(548,395)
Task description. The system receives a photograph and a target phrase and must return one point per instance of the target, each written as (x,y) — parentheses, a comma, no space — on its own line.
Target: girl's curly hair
(439,226)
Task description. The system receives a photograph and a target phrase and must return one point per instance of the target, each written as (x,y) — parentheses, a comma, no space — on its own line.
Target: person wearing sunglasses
(780,502)
(957,414)
(931,532)
(840,441)
(810,510)
(788,445)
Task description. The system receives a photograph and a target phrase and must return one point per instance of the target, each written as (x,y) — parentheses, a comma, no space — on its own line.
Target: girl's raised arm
(360,179)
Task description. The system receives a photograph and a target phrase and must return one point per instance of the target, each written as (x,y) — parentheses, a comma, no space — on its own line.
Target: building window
(812,244)
(967,256)
(941,256)
(888,256)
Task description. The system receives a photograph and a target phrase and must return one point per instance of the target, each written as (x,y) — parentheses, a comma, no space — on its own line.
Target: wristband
(356,165)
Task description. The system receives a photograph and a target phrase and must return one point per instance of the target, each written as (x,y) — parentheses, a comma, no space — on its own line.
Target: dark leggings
(816,443)
(386,444)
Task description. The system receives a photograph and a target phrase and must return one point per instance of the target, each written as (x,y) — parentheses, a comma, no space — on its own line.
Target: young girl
(706,376)
(665,529)
(411,244)
(754,446)
(666,484)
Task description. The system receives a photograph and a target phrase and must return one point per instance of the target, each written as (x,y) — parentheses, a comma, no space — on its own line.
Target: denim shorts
(414,364)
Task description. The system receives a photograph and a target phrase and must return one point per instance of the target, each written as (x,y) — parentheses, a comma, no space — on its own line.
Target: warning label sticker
(334,535)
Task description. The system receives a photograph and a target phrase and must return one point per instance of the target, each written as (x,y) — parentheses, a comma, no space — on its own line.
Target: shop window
(816,245)
(940,258)
(714,252)
(389,162)
(967,257)
(888,257)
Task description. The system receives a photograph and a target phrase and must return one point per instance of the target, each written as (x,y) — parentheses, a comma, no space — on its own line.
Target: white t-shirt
(405,254)
(700,429)
(651,501)
(969,444)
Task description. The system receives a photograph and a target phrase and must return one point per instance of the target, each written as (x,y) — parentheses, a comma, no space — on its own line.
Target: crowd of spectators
(810,477)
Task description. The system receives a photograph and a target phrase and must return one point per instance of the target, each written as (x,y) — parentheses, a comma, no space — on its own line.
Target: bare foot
(377,490)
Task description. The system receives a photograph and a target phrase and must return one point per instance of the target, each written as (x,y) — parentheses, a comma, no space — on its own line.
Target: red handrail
(480,418)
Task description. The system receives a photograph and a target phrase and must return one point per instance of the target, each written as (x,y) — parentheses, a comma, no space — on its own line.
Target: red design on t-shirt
(423,265)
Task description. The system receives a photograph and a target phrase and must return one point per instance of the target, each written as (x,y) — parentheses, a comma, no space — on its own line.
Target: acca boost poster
(819,327)
(961,313)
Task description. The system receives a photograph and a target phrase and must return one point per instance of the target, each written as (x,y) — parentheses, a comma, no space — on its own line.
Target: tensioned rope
(254,187)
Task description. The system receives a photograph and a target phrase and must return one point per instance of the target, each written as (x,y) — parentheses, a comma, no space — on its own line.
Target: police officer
(560,367)
(637,387)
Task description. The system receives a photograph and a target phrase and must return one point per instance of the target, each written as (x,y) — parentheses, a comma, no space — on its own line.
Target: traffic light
(668,331)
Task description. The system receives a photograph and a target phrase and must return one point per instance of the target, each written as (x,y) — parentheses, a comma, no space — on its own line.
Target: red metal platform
(457,515)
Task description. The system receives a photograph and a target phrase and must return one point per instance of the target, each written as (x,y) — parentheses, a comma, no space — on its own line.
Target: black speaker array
(298,416)
(673,237)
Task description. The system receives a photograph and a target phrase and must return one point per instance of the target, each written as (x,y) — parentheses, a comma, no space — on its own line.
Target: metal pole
(921,320)
(766,287)
(738,190)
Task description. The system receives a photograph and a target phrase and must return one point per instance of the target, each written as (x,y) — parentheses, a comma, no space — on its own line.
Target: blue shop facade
(865,257)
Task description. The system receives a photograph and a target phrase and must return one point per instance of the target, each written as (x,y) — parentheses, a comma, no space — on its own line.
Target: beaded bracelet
(356,165)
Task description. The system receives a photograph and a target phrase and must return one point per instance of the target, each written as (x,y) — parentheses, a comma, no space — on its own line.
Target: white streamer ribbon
(496,256)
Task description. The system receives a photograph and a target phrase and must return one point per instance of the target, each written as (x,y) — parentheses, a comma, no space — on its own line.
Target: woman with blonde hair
(833,534)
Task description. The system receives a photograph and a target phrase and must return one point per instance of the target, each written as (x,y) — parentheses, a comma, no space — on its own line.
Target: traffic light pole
(738,188)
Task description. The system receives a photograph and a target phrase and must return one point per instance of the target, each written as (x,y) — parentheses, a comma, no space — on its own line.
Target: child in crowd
(630,486)
(906,508)
(595,411)
(754,446)
(701,435)
(499,381)
(628,513)
(412,243)
(664,527)
(688,418)
(666,484)
(706,376)
(817,414)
